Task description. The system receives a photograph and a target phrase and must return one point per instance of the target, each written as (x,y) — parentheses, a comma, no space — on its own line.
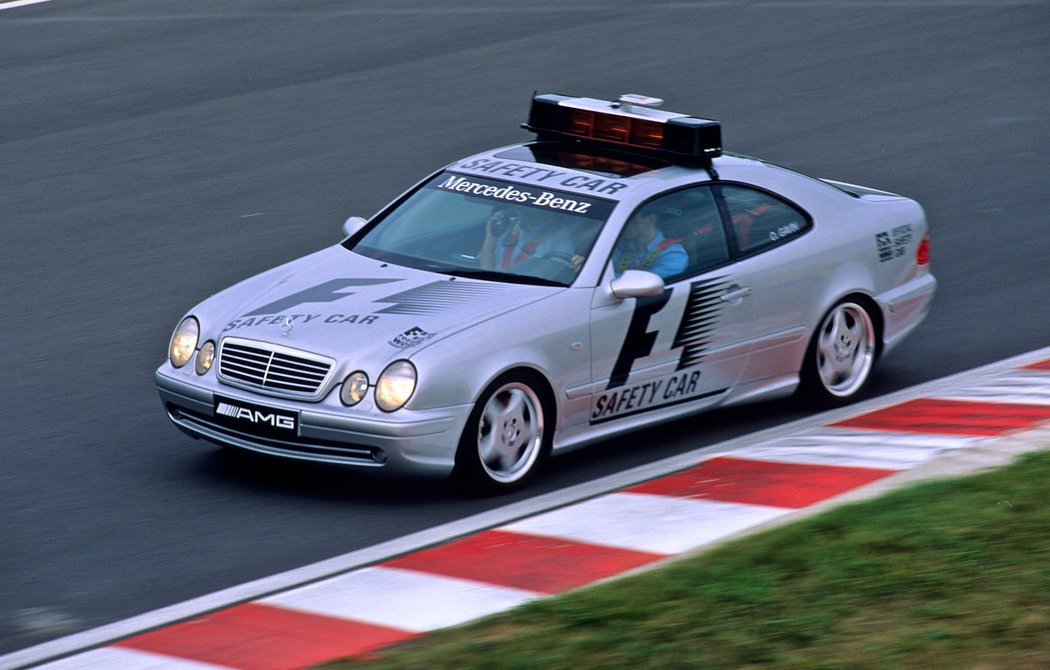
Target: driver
(516,234)
(643,245)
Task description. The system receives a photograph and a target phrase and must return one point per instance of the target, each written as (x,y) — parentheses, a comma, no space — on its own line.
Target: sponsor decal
(524,195)
(545,175)
(893,244)
(260,416)
(410,338)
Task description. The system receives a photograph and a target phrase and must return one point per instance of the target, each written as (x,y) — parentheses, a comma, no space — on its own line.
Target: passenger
(516,234)
(643,245)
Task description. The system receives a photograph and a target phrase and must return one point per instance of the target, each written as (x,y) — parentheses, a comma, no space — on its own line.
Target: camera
(501,220)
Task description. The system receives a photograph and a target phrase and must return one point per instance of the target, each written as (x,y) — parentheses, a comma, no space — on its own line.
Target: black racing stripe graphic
(437,297)
(329,291)
(702,310)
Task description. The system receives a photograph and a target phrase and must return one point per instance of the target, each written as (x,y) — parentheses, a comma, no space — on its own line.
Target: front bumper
(409,442)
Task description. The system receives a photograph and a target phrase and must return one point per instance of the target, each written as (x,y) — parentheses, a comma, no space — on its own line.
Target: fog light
(379,456)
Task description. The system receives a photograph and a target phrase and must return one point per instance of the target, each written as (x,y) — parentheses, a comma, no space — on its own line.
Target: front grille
(269,366)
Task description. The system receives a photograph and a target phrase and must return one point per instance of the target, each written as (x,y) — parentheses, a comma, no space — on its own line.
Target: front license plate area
(256,419)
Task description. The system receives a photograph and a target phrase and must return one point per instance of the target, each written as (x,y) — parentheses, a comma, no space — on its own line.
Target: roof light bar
(631,122)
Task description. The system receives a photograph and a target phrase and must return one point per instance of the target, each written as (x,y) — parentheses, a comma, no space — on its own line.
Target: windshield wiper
(506,277)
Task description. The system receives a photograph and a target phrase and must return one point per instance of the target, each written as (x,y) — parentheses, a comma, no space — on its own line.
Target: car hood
(336,302)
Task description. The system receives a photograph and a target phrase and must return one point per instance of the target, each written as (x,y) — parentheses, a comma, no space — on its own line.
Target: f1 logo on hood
(326,292)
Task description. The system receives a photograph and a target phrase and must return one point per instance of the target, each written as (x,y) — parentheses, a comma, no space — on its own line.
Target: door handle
(735,294)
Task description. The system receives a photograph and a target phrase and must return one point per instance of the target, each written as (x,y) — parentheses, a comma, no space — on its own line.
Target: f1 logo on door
(667,379)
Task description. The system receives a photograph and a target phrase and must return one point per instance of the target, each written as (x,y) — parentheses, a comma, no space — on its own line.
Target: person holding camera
(514,235)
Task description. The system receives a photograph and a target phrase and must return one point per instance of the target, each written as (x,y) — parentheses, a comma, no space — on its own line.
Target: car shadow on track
(301,479)
(270,476)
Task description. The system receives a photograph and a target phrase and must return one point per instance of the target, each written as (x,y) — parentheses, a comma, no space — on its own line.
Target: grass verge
(947,574)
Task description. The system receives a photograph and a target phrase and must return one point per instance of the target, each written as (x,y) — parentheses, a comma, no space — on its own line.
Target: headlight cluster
(184,343)
(393,388)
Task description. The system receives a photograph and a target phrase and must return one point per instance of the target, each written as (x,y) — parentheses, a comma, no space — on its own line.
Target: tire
(841,355)
(506,436)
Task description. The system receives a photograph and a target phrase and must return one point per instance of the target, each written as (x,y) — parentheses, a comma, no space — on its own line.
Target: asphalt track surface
(153,152)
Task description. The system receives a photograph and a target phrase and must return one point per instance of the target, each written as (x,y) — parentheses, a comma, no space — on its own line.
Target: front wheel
(506,436)
(841,355)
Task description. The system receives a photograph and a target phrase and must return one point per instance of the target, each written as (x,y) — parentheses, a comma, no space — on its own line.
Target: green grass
(947,574)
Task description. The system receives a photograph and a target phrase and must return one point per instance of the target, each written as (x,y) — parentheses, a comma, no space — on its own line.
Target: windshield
(474,227)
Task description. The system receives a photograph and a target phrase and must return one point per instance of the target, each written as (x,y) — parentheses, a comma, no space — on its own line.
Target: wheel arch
(810,385)
(874,311)
(546,391)
(472,472)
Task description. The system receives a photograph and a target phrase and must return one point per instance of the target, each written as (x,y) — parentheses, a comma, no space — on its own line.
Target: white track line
(20,3)
(494,518)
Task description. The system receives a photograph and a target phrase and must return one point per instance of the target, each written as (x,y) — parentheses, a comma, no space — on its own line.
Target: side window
(675,235)
(760,220)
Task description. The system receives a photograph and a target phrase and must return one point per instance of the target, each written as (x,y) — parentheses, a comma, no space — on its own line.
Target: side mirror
(353,225)
(636,284)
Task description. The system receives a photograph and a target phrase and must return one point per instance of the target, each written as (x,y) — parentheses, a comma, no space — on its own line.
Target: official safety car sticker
(276,313)
(655,394)
(410,338)
(577,182)
(893,244)
(287,322)
(699,319)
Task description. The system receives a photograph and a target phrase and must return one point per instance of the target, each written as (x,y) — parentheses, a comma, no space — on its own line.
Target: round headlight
(183,342)
(395,385)
(205,357)
(354,388)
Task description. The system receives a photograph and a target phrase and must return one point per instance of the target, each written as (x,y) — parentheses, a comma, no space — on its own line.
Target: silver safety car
(617,271)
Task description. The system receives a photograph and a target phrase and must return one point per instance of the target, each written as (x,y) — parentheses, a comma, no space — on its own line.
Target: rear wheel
(841,355)
(506,435)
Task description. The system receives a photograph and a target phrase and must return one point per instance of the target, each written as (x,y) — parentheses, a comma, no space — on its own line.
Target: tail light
(922,254)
